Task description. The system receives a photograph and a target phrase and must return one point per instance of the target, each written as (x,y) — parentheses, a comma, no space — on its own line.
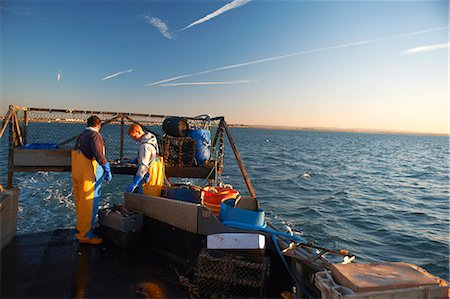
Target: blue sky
(368,65)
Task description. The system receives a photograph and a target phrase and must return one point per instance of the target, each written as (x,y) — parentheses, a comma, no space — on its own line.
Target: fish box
(123,223)
(379,281)
(185,193)
(121,239)
(236,241)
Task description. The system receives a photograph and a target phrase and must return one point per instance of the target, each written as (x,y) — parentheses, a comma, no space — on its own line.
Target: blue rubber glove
(107,175)
(137,179)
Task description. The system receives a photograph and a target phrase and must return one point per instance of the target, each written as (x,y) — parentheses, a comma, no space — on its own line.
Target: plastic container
(329,289)
(125,224)
(202,144)
(229,213)
(175,126)
(185,193)
(213,197)
(40,146)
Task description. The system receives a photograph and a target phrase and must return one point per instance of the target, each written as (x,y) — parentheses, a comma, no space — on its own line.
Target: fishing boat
(189,240)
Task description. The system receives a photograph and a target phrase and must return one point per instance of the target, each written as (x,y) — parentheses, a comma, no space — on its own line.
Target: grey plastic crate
(117,221)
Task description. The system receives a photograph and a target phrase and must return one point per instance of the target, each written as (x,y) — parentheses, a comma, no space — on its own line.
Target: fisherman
(150,173)
(89,167)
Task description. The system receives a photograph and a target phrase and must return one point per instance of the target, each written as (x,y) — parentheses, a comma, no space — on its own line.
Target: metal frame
(19,136)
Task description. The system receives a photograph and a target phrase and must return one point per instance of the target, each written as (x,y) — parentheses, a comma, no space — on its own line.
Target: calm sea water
(383,197)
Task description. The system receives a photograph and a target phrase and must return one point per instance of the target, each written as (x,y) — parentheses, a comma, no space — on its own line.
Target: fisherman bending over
(150,173)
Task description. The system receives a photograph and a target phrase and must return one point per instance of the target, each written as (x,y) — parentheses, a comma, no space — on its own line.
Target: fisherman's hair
(93,121)
(134,127)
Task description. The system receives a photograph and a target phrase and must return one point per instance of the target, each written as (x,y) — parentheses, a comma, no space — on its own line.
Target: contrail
(426,48)
(160,25)
(233,4)
(347,45)
(117,74)
(206,83)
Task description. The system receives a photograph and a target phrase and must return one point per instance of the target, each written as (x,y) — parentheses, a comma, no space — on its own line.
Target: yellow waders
(87,180)
(156,178)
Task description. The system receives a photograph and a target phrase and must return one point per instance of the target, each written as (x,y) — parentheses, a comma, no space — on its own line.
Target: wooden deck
(54,265)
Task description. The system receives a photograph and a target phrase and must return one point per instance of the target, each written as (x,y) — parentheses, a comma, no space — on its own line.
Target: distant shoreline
(320,129)
(337,130)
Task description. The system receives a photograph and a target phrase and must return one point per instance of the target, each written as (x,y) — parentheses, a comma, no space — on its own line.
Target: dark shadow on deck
(54,265)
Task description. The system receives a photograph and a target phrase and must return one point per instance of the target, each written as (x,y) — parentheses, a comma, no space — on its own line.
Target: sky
(378,65)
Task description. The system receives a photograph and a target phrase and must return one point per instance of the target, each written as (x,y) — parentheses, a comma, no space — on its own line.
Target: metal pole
(25,127)
(19,140)
(241,165)
(221,148)
(217,135)
(11,149)
(121,137)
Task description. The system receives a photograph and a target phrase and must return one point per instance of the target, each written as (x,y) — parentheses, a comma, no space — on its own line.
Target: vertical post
(122,131)
(11,149)
(217,134)
(18,135)
(241,165)
(221,147)
(25,127)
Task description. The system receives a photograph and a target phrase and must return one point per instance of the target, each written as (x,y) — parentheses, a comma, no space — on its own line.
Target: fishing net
(231,274)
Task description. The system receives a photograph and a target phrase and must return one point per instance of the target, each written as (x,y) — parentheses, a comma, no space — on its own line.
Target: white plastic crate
(236,241)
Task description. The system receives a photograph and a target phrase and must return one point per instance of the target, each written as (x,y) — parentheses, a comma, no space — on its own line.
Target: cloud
(18,11)
(426,48)
(160,25)
(207,83)
(168,80)
(117,74)
(232,5)
(347,45)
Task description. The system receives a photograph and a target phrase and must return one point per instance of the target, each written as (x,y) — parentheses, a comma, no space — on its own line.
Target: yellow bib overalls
(87,181)
(156,178)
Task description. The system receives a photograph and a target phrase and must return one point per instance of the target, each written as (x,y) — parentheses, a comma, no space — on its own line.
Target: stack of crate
(120,226)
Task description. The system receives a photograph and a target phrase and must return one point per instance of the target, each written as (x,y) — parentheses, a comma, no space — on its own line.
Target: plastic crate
(331,290)
(123,223)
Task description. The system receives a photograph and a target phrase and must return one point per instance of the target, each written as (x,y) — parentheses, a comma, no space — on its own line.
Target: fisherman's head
(135,131)
(94,122)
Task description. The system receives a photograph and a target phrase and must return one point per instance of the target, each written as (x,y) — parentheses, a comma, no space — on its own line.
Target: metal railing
(63,126)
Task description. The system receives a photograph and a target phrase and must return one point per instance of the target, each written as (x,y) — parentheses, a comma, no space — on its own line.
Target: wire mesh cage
(179,151)
(231,274)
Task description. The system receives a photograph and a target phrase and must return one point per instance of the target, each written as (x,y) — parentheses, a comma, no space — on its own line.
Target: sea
(383,197)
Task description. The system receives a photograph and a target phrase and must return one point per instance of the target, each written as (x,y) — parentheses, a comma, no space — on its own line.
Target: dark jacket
(91,144)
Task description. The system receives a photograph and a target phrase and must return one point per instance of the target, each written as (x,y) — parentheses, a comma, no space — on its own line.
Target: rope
(192,288)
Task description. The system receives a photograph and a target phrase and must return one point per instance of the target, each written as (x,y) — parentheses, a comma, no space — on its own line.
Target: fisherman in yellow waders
(89,167)
(149,177)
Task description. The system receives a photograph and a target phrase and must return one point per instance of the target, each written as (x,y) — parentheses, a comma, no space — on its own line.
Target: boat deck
(54,265)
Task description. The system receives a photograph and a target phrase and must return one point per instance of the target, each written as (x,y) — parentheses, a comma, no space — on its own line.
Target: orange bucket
(213,197)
